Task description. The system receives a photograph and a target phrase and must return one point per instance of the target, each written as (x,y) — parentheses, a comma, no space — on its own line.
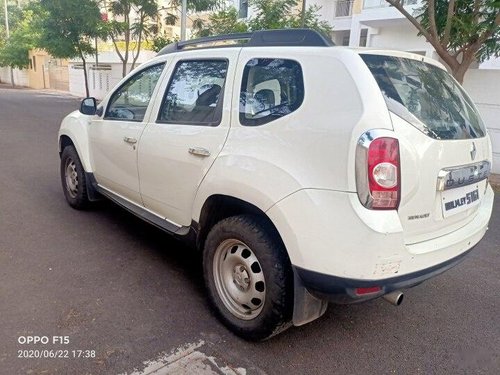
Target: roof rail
(273,38)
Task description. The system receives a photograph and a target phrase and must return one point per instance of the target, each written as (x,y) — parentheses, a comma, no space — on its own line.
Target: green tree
(274,14)
(461,31)
(15,15)
(223,22)
(192,6)
(160,41)
(199,5)
(14,52)
(136,24)
(68,28)
(269,14)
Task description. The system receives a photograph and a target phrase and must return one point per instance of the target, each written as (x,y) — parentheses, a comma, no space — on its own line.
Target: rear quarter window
(270,89)
(426,96)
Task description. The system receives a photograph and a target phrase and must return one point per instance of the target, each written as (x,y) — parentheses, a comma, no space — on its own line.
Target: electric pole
(183,19)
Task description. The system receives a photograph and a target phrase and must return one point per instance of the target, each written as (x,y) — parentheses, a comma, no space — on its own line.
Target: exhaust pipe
(395,298)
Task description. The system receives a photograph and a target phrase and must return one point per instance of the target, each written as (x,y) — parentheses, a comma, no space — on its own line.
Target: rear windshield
(426,96)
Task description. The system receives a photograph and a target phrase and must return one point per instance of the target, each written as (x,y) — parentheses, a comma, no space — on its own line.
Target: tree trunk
(468,58)
(85,77)
(459,72)
(117,49)
(96,54)
(127,46)
(124,68)
(134,58)
(12,77)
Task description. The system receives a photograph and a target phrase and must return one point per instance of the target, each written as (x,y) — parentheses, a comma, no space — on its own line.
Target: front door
(115,136)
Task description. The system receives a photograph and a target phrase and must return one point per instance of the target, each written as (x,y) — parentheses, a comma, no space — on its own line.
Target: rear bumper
(327,233)
(343,290)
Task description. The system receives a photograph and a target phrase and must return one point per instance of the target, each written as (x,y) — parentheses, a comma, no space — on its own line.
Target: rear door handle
(130,140)
(199,151)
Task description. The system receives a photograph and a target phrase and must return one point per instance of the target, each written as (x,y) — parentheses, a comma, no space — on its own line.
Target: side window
(131,100)
(270,89)
(194,94)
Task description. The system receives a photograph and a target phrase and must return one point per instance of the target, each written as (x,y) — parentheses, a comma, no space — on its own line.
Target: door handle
(199,151)
(130,140)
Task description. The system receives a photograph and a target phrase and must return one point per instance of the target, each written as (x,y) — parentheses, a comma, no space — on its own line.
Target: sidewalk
(8,86)
(5,85)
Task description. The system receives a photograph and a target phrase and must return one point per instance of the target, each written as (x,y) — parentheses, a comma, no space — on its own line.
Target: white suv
(304,172)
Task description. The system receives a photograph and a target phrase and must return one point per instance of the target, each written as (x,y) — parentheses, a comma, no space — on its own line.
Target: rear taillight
(383,173)
(378,176)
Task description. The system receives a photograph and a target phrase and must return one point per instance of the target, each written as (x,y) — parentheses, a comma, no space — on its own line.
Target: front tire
(249,277)
(73,179)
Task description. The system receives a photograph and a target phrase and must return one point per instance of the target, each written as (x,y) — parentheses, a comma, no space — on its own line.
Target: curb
(6,86)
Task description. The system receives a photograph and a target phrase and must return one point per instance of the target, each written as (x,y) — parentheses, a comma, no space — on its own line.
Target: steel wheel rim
(71,177)
(239,279)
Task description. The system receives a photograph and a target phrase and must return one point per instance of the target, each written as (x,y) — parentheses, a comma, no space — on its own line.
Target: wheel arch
(64,141)
(219,206)
(74,132)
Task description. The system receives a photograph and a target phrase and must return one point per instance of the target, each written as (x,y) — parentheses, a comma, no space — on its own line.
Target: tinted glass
(271,88)
(131,100)
(426,96)
(194,95)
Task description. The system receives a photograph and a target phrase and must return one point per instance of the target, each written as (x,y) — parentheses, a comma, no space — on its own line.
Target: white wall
(20,76)
(100,81)
(483,86)
(493,63)
(399,37)
(327,9)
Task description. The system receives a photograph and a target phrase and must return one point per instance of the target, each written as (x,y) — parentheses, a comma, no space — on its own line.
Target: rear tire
(249,277)
(73,179)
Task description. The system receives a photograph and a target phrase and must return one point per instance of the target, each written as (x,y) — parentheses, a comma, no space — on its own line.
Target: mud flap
(306,307)
(92,192)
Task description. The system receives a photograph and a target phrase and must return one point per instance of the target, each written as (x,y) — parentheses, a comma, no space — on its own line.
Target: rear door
(445,150)
(187,131)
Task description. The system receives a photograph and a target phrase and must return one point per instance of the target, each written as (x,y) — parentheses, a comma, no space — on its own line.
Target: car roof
(280,38)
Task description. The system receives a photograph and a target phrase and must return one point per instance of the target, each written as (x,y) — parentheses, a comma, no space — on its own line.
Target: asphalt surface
(117,286)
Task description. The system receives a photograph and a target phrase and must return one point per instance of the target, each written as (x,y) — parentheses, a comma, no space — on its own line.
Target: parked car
(305,173)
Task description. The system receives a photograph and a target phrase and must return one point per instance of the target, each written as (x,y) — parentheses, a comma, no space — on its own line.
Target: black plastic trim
(289,37)
(262,38)
(143,214)
(92,189)
(342,290)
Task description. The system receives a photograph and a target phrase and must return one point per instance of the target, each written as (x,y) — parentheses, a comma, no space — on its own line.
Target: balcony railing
(383,3)
(343,8)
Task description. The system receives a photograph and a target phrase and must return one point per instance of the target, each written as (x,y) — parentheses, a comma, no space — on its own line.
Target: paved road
(117,286)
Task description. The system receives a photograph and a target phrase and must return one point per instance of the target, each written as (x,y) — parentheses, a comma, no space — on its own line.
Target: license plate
(459,200)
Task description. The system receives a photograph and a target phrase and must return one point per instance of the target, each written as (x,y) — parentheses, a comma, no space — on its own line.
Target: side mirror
(88,106)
